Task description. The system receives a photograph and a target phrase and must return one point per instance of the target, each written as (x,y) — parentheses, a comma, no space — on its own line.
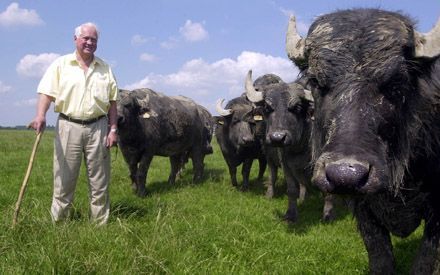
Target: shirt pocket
(101,89)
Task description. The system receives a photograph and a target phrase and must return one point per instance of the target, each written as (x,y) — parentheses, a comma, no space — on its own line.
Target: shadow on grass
(125,209)
(405,251)
(310,212)
(184,180)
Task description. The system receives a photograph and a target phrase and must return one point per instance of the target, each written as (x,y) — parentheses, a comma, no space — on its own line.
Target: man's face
(87,42)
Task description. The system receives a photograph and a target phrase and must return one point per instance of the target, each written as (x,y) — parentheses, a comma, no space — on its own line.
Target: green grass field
(206,228)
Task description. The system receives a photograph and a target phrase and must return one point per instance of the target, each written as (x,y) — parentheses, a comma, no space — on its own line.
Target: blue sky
(200,49)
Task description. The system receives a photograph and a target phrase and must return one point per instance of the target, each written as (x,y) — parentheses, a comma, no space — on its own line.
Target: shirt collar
(96,60)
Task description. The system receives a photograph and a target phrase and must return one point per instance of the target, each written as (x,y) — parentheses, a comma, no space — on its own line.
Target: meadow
(186,228)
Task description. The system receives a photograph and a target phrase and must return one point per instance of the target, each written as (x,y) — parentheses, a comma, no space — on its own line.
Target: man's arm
(39,122)
(112,137)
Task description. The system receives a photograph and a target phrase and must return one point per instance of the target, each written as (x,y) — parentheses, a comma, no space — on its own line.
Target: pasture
(206,228)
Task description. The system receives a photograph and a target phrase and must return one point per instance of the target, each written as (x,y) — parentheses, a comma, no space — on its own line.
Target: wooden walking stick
(26,178)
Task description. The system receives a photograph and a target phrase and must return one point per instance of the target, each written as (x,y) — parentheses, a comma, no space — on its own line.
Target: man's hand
(39,124)
(112,138)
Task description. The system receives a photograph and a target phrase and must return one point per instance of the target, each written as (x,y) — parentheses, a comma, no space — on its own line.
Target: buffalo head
(238,121)
(131,105)
(286,109)
(362,67)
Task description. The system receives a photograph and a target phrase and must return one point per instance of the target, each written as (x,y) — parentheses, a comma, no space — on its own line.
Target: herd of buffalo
(362,120)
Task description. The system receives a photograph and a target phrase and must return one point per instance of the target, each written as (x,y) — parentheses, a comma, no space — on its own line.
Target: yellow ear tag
(221,122)
(146,115)
(258,118)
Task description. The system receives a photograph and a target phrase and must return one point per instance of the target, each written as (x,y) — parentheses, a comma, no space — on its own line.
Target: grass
(207,228)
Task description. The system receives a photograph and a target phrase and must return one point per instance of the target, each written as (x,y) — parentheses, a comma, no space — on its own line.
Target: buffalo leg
(141,176)
(377,241)
(198,165)
(292,196)
(245,172)
(233,174)
(183,162)
(328,213)
(176,164)
(270,184)
(262,163)
(132,157)
(427,260)
(302,192)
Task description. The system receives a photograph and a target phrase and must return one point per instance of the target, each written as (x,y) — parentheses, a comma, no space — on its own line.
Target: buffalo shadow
(183,180)
(309,211)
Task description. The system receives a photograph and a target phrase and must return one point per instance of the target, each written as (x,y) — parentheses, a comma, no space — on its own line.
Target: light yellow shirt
(79,94)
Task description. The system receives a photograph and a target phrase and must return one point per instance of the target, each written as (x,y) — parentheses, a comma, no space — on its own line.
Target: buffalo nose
(346,175)
(277,137)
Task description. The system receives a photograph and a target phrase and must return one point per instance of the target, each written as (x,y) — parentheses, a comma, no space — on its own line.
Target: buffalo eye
(268,108)
(235,120)
(296,108)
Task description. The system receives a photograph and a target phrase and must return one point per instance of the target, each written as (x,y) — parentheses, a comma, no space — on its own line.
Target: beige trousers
(72,143)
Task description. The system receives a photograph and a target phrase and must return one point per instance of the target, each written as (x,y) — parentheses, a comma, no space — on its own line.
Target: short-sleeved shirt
(79,94)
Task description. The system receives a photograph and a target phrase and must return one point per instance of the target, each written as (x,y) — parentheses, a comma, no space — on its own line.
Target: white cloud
(147,57)
(4,88)
(15,16)
(35,65)
(206,82)
(193,32)
(138,40)
(171,43)
(26,102)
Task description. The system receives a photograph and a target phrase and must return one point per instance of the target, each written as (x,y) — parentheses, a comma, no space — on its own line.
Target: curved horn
(220,110)
(308,95)
(428,44)
(251,93)
(295,44)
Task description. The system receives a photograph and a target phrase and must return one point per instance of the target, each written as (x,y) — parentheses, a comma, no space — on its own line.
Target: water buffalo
(151,123)
(287,110)
(237,135)
(375,81)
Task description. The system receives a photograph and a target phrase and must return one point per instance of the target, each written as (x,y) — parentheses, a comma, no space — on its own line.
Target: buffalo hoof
(328,217)
(291,216)
(141,193)
(244,188)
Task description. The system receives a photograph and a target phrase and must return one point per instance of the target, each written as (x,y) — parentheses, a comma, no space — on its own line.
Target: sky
(199,49)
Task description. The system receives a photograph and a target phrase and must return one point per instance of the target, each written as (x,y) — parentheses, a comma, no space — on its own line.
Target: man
(84,91)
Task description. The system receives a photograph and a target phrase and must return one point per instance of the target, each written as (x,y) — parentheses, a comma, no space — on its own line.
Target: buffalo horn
(308,95)
(220,110)
(428,44)
(251,93)
(295,44)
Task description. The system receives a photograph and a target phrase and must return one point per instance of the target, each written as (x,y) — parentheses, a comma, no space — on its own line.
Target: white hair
(78,30)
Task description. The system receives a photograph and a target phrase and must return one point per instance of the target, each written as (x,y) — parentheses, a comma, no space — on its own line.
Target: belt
(80,121)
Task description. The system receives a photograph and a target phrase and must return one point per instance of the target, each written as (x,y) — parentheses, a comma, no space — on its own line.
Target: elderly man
(84,91)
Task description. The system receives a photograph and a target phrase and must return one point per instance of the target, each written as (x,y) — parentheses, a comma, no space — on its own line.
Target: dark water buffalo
(237,135)
(376,135)
(287,112)
(152,124)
